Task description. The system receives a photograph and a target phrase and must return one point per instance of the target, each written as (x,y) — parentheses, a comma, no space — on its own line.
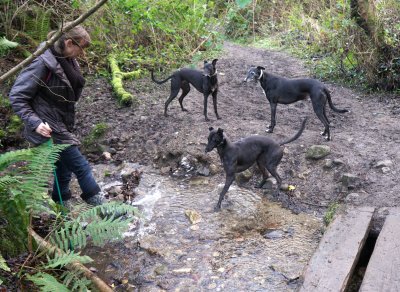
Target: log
(337,254)
(383,268)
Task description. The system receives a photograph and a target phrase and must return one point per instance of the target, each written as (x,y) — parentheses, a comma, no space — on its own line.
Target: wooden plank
(330,268)
(383,269)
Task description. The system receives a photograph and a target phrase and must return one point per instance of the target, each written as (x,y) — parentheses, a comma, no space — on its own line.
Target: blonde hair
(77,34)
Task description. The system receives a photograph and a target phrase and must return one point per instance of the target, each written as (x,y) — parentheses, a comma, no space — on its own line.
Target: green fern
(100,226)
(75,280)
(60,260)
(47,283)
(23,189)
(11,157)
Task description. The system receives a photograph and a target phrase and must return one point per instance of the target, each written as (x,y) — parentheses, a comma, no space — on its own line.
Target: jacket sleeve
(24,90)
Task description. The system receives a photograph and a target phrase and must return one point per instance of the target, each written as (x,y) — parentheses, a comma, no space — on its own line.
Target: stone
(350,180)
(193,216)
(384,163)
(318,151)
(244,176)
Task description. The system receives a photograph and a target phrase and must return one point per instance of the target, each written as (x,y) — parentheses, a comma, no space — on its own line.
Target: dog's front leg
(228,181)
(273,117)
(214,95)
(205,107)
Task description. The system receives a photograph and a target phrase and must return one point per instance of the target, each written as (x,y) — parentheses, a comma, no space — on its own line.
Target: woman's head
(73,42)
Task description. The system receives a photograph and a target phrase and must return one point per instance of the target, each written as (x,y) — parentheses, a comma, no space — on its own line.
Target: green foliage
(11,125)
(91,141)
(6,45)
(330,37)
(47,283)
(36,22)
(23,190)
(3,264)
(330,213)
(62,259)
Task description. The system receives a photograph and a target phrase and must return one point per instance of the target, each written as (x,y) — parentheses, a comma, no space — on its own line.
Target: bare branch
(51,41)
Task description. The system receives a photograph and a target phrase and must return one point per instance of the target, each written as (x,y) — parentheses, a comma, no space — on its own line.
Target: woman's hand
(44,130)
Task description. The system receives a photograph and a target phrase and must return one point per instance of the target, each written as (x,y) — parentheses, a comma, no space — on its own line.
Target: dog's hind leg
(228,181)
(175,87)
(273,161)
(185,86)
(319,111)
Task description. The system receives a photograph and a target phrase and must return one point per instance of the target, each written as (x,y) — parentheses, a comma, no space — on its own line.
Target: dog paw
(269,130)
(217,208)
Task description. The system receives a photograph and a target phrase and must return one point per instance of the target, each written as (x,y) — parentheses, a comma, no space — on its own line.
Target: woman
(44,97)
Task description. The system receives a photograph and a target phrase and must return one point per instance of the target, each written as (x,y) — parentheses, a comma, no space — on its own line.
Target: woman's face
(73,48)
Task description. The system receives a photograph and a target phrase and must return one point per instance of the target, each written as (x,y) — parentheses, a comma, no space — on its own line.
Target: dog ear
(210,129)
(205,61)
(260,68)
(214,61)
(220,131)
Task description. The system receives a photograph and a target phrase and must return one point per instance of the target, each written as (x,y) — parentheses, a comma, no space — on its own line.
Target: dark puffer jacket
(43,93)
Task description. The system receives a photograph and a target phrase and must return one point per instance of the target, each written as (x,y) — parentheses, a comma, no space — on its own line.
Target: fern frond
(108,209)
(106,230)
(61,259)
(75,280)
(6,182)
(14,156)
(47,283)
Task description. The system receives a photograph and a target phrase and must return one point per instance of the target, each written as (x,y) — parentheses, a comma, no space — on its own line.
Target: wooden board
(383,269)
(337,254)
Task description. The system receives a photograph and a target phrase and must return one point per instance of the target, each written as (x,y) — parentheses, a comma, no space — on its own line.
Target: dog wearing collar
(205,82)
(285,91)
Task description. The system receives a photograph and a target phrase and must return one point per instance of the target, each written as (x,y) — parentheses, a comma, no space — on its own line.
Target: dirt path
(361,138)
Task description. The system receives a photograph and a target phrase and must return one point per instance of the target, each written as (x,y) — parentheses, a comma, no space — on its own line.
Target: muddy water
(181,244)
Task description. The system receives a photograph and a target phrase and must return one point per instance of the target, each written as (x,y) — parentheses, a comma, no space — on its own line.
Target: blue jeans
(72,161)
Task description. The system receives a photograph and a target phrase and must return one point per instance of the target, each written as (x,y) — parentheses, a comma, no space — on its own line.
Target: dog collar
(215,73)
(262,73)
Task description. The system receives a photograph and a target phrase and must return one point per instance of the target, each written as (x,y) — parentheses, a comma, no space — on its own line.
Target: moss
(90,142)
(124,97)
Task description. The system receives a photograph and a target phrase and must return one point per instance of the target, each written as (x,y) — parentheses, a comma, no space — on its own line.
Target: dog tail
(303,125)
(159,82)
(328,96)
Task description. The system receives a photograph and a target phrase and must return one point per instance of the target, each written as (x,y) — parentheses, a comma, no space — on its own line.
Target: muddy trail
(261,240)
(364,141)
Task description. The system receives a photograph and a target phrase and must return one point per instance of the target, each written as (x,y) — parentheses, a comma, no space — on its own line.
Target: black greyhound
(285,91)
(205,82)
(240,155)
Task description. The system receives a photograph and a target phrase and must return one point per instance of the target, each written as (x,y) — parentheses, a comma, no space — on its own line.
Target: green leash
(50,143)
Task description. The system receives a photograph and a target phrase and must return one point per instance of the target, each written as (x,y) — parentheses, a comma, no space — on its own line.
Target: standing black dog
(205,82)
(285,91)
(240,155)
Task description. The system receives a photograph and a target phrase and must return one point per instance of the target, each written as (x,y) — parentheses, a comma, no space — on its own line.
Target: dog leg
(273,117)
(185,90)
(205,107)
(175,87)
(214,96)
(260,164)
(228,181)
